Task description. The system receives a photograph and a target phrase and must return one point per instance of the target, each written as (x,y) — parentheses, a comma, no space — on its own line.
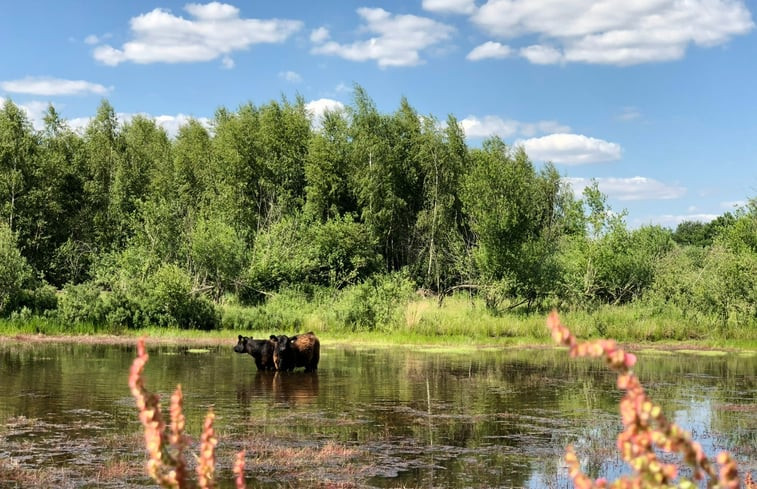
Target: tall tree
(104,149)
(440,224)
(327,170)
(17,152)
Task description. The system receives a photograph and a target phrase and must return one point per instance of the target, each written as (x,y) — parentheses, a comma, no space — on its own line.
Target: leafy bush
(717,284)
(82,303)
(169,301)
(40,299)
(379,301)
(15,272)
(217,254)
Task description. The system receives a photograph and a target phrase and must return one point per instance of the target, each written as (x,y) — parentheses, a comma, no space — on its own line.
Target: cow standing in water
(261,351)
(303,350)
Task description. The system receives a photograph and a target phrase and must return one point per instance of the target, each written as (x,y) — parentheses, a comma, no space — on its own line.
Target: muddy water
(367,418)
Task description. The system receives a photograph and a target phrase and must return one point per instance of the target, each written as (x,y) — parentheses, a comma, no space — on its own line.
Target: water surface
(367,418)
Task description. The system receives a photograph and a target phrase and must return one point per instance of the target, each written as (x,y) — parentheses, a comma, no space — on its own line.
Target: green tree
(513,214)
(440,225)
(327,170)
(104,148)
(14,271)
(17,152)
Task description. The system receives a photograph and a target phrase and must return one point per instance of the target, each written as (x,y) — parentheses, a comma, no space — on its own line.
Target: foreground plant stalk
(166,463)
(645,428)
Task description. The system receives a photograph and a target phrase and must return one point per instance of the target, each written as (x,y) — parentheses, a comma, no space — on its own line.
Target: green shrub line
(393,316)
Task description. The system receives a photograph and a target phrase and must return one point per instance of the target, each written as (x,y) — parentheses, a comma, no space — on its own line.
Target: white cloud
(52,86)
(635,188)
(732,205)
(541,55)
(91,39)
(316,108)
(172,123)
(290,76)
(451,6)
(319,35)
(672,220)
(398,41)
(615,32)
(227,62)
(215,30)
(491,125)
(489,49)
(570,149)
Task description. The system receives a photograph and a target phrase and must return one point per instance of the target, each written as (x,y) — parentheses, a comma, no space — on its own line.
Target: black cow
(261,350)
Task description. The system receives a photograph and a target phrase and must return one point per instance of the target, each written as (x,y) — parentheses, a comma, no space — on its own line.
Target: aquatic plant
(165,446)
(645,429)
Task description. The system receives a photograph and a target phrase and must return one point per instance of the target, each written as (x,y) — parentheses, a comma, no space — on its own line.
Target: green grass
(460,323)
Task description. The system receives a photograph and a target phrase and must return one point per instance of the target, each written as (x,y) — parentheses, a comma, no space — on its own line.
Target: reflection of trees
(497,417)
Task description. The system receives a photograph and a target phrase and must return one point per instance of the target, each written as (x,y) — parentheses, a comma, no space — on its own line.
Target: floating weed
(198,350)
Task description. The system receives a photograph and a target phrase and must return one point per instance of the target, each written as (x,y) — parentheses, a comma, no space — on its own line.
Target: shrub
(170,301)
(15,272)
(82,303)
(379,301)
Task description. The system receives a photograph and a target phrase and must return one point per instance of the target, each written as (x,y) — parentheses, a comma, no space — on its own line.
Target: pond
(392,417)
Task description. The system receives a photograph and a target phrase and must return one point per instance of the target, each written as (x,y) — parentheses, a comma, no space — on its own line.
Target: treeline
(121,224)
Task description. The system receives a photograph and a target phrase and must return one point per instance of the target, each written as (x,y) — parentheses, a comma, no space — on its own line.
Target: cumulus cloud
(91,39)
(614,31)
(489,49)
(570,149)
(450,6)
(634,188)
(541,55)
(48,86)
(491,125)
(397,41)
(316,108)
(214,30)
(319,35)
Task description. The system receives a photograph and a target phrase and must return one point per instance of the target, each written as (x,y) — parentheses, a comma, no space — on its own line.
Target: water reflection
(378,418)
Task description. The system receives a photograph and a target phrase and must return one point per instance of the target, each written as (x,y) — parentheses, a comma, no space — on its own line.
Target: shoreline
(366,341)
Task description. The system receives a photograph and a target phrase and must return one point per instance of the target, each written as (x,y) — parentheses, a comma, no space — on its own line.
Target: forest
(122,226)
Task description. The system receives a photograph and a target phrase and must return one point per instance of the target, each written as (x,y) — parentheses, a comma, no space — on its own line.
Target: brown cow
(303,350)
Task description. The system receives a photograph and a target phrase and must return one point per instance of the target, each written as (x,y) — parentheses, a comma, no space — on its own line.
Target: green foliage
(514,217)
(217,253)
(261,202)
(169,301)
(376,303)
(715,283)
(342,251)
(82,303)
(15,273)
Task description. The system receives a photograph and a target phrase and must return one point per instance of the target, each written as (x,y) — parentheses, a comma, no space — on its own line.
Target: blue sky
(654,98)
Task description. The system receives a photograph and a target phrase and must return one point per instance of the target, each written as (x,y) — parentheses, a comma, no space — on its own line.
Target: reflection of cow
(280,387)
(303,350)
(261,351)
(295,389)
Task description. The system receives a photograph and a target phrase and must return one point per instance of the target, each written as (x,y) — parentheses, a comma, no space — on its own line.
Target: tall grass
(389,313)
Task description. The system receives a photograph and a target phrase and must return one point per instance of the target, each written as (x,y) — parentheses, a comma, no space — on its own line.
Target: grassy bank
(460,322)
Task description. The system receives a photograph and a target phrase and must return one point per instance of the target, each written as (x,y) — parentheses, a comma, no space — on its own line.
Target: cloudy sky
(656,99)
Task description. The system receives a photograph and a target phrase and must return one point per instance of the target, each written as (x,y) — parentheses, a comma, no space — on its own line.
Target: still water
(368,418)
